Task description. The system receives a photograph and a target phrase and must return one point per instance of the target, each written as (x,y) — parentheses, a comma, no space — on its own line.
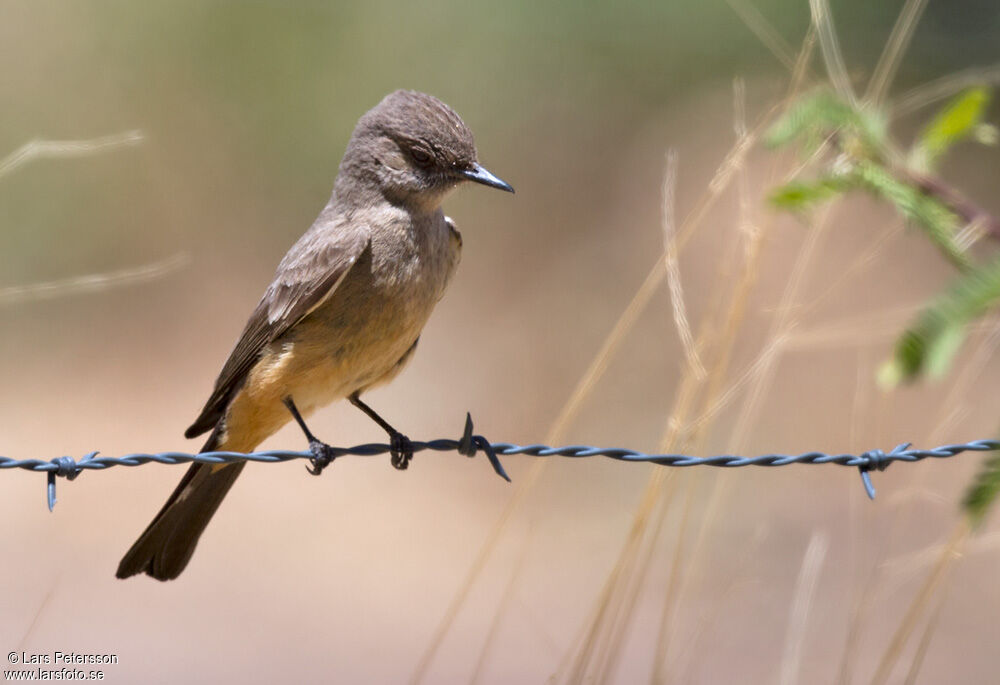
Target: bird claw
(401,450)
(322,456)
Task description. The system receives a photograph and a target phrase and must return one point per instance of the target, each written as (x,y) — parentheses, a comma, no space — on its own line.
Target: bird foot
(400,449)
(322,456)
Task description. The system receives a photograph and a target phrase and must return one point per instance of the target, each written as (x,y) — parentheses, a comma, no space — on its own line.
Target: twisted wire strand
(469,445)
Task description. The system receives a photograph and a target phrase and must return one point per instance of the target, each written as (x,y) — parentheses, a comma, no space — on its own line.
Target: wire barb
(469,444)
(68,469)
(877,460)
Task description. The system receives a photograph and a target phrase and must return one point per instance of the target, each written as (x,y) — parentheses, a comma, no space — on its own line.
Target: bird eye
(421,157)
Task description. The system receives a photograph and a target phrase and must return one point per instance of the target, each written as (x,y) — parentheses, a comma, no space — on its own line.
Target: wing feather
(311,271)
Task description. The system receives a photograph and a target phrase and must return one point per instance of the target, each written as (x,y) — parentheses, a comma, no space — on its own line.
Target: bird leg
(322,453)
(399,445)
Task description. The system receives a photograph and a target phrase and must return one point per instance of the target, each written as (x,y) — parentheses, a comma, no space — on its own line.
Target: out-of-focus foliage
(929,345)
(961,119)
(816,116)
(919,208)
(798,196)
(864,159)
(983,491)
(860,136)
(933,216)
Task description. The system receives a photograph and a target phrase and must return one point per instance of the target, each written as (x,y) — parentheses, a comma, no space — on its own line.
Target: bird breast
(376,314)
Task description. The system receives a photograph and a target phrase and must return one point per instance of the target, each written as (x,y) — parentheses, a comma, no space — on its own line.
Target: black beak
(480,175)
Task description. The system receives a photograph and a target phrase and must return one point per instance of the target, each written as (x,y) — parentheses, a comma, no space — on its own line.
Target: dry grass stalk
(898,41)
(673,269)
(92,283)
(920,601)
(829,45)
(805,589)
(50,149)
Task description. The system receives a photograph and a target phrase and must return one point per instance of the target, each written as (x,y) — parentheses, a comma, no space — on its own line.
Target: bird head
(413,149)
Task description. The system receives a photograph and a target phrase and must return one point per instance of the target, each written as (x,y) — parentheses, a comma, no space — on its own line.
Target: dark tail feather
(166,546)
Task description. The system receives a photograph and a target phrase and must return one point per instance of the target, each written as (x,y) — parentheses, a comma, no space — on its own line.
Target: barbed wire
(469,445)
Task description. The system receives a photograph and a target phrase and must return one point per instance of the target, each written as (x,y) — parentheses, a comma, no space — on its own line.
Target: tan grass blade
(899,569)
(676,433)
(867,329)
(582,390)
(984,352)
(764,31)
(505,601)
(894,48)
(620,629)
(865,260)
(906,626)
(674,583)
(47,149)
(924,644)
(860,610)
(605,607)
(42,607)
(781,328)
(944,87)
(805,589)
(822,19)
(731,324)
(652,281)
(673,269)
(485,552)
(92,283)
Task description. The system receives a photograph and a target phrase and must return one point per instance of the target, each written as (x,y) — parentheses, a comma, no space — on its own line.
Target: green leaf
(930,214)
(818,114)
(943,350)
(983,491)
(800,196)
(959,119)
(929,345)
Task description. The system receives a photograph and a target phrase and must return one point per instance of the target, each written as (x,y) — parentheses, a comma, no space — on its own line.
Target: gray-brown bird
(343,313)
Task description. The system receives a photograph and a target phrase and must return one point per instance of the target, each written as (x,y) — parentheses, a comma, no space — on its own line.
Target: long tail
(166,546)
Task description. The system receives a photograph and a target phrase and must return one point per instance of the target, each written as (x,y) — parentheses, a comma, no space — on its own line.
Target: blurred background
(601,571)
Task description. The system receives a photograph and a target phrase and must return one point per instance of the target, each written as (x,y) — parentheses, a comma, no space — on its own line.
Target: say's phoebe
(343,313)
